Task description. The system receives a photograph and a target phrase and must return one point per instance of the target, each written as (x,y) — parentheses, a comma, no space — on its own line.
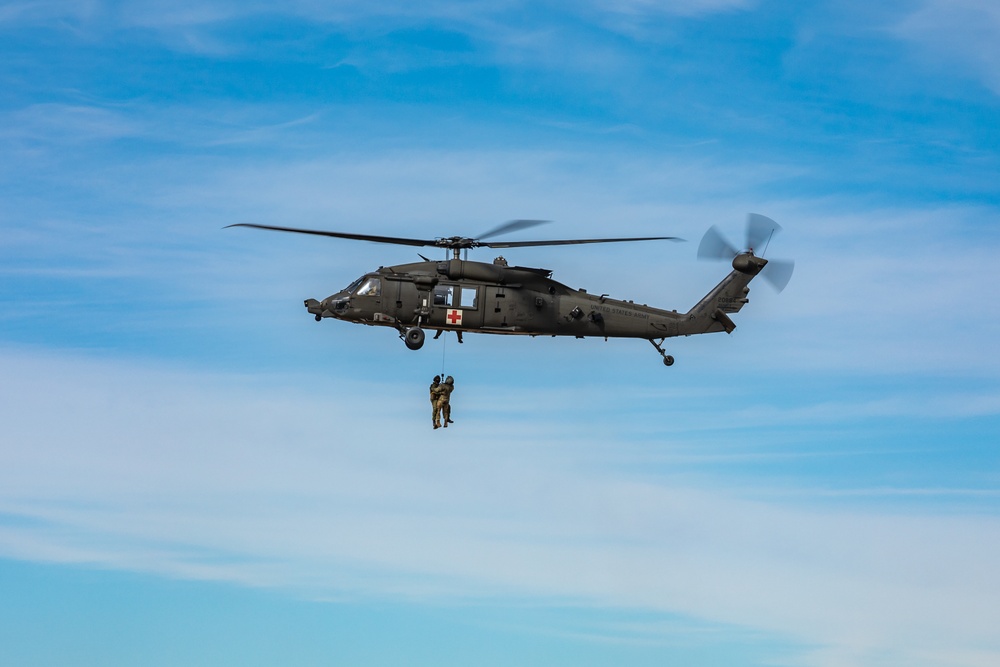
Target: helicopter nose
(336,305)
(332,306)
(315,308)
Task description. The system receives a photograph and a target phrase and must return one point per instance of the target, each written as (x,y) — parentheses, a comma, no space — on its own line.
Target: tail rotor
(759,231)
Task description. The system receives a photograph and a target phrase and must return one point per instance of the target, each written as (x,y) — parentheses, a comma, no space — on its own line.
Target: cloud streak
(824,477)
(207,478)
(964,33)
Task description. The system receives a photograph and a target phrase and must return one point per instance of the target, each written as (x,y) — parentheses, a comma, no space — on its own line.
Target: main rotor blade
(760,229)
(456,241)
(341,235)
(778,272)
(512,226)
(715,246)
(526,244)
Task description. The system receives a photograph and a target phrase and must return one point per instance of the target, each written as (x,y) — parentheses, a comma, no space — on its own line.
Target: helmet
(437,378)
(449,380)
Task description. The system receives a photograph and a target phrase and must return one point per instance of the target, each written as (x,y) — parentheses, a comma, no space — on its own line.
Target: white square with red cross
(454,318)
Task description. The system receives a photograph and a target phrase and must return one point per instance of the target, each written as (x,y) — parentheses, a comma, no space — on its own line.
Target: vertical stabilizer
(729,296)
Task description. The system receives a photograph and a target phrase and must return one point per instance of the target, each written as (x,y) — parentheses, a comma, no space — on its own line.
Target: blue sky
(193,471)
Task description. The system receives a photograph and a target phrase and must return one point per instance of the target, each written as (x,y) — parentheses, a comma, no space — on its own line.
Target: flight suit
(444,400)
(435,395)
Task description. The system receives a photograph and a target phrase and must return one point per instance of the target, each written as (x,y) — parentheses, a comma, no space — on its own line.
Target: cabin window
(455,296)
(469,295)
(370,287)
(444,295)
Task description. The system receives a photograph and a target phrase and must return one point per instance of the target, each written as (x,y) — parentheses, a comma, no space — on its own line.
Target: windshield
(370,287)
(353,286)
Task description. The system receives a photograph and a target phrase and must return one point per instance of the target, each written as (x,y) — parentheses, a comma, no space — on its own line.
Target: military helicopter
(467,296)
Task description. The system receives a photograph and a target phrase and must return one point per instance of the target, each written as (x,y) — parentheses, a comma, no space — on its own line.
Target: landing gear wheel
(667,359)
(319,317)
(414,338)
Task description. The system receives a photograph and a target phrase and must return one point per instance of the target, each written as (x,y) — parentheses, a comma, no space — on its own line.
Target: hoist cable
(444,347)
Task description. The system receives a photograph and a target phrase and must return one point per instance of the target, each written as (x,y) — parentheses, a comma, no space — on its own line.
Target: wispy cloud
(963,33)
(46,11)
(201,477)
(62,124)
(874,287)
(823,475)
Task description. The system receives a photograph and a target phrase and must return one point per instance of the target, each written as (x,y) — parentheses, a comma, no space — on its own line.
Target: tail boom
(711,314)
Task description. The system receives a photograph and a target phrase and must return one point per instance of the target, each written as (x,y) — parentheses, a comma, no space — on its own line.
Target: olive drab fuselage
(462,296)
(476,297)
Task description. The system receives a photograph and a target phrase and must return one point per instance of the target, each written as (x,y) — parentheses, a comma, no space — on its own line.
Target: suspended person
(444,402)
(435,395)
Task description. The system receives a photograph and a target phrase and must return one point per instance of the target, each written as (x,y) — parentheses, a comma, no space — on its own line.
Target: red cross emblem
(454,317)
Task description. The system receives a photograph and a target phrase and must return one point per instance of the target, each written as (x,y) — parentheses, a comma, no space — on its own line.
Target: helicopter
(495,298)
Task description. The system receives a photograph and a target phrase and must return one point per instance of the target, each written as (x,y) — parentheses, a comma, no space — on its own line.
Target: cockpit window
(370,287)
(353,286)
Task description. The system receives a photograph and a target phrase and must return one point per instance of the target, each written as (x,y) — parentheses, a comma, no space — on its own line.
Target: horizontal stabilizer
(724,320)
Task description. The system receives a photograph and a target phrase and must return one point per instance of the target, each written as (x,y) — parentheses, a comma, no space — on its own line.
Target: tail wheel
(414,338)
(668,360)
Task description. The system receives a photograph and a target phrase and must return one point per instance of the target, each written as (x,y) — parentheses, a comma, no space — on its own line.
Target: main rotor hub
(457,243)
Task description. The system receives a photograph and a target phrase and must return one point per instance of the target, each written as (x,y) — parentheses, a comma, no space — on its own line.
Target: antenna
(764,252)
